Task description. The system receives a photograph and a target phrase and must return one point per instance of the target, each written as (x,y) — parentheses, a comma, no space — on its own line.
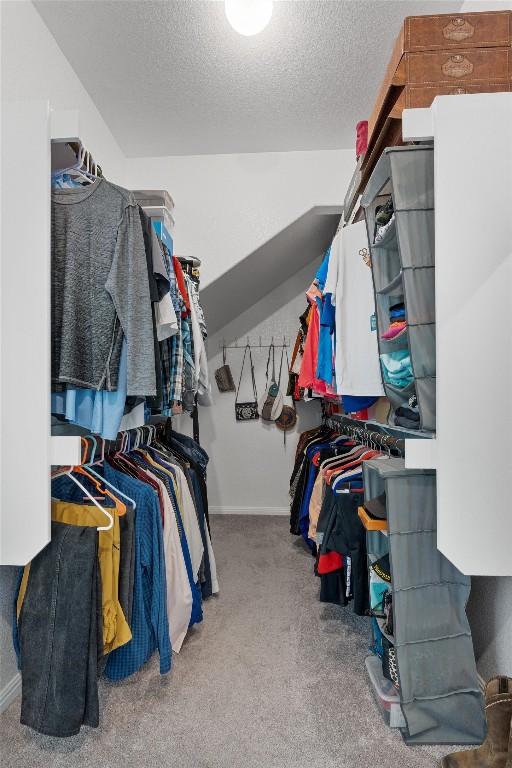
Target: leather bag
(223,375)
(271,403)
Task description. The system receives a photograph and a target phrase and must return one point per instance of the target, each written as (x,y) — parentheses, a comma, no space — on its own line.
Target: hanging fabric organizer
(403,264)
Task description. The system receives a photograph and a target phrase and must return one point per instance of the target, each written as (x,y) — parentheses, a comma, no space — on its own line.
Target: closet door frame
(25,331)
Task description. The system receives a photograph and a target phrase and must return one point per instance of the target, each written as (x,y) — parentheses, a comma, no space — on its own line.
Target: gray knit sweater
(100,289)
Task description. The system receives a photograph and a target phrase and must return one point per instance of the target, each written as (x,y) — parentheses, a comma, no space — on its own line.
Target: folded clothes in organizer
(383,213)
(409,418)
(381,230)
(397,368)
(397,311)
(397,322)
(395,330)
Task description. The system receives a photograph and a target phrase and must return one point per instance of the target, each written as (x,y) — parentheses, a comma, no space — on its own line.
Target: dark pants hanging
(348,537)
(343,532)
(60,634)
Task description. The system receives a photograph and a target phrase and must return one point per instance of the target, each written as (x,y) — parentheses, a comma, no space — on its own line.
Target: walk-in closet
(255,383)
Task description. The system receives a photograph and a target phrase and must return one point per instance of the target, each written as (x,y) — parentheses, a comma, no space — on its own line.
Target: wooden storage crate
(439,55)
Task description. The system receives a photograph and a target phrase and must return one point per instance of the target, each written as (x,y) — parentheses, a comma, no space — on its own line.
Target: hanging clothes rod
(68,153)
(360,430)
(125,440)
(254,346)
(285,344)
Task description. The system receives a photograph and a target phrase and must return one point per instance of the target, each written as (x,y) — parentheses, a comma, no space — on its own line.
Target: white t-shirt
(357,354)
(332,269)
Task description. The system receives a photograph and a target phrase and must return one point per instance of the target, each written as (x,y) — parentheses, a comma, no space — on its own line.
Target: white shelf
(65,450)
(421,454)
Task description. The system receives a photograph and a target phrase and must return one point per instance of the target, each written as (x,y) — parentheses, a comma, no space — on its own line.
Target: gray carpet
(272,679)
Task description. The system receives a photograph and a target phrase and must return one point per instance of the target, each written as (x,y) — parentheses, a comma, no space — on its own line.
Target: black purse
(247,411)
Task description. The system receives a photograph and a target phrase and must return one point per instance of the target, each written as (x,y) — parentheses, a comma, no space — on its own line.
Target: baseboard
(10,691)
(283,511)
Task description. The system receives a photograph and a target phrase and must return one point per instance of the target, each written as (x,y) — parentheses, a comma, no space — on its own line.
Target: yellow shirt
(116,631)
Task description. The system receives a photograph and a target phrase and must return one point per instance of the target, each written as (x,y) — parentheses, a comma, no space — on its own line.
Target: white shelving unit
(27,451)
(473,272)
(25,332)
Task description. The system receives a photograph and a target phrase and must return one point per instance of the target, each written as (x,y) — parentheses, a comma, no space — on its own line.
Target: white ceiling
(173,78)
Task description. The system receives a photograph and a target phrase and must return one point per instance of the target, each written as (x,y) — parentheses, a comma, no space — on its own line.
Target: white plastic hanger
(69,473)
(100,477)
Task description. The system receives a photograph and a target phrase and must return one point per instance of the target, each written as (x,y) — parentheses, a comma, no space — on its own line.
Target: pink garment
(309,361)
(361,138)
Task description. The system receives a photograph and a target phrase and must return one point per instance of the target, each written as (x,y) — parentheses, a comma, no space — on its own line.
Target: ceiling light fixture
(248,17)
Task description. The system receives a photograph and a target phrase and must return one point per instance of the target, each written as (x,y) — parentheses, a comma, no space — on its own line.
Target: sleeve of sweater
(128,286)
(159,615)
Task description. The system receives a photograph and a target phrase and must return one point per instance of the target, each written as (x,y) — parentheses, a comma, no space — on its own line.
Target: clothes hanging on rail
(351,288)
(128,329)
(144,578)
(326,489)
(100,289)
(336,354)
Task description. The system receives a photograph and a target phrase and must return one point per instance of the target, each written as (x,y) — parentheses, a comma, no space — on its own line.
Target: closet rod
(360,430)
(101,447)
(253,346)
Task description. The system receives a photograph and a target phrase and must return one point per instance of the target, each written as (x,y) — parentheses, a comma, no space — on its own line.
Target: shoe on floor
(496,751)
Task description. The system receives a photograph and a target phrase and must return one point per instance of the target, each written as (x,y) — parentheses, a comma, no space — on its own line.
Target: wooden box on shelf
(439,55)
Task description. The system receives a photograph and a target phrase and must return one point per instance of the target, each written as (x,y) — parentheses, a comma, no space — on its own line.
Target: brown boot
(494,752)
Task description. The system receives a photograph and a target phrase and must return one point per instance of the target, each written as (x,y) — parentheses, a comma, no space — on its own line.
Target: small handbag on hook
(288,416)
(271,403)
(223,375)
(247,411)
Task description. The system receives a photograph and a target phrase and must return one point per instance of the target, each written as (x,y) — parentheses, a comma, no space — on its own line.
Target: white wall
(471,6)
(490,605)
(34,67)
(490,616)
(227,206)
(250,466)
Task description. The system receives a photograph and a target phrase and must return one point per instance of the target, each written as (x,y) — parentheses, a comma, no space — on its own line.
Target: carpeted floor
(272,679)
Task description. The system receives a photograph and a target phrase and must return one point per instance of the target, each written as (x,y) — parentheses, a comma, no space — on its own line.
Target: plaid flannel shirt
(172,350)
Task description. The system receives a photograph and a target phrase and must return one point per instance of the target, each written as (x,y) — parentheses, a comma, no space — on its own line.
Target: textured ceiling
(173,77)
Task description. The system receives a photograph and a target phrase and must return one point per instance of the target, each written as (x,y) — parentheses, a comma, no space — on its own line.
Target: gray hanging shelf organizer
(440,700)
(403,268)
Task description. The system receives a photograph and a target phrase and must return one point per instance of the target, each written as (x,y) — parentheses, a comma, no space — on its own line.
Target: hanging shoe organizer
(439,700)
(403,268)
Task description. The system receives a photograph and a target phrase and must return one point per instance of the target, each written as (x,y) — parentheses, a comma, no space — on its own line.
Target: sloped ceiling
(269,266)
